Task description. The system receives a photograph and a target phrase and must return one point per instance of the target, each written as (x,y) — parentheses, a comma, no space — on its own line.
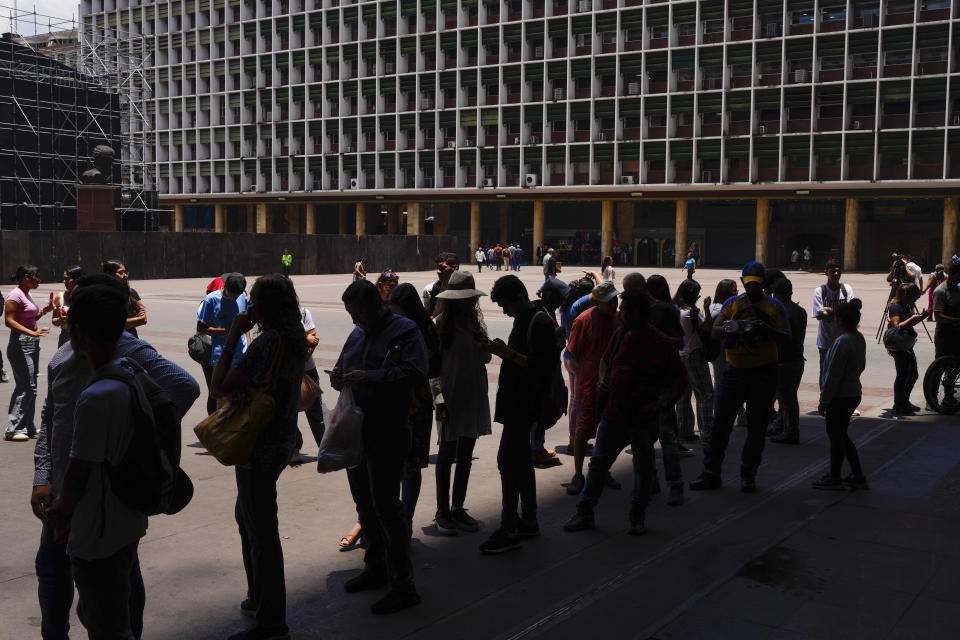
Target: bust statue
(102,165)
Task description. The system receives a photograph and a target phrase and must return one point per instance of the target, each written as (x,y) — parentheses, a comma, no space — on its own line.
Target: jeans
(517,480)
(107,606)
(788,382)
(460,449)
(701,386)
(611,439)
(23,352)
(823,356)
(286,271)
(375,487)
(669,449)
(256,514)
(907,374)
(208,375)
(837,417)
(756,388)
(55,589)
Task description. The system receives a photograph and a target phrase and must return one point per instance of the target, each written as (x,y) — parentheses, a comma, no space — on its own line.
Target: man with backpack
(68,375)
(529,358)
(498,256)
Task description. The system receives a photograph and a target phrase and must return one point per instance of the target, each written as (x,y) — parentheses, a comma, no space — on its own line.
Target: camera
(746,331)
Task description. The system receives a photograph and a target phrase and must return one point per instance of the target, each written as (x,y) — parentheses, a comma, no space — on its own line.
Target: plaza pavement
(787,562)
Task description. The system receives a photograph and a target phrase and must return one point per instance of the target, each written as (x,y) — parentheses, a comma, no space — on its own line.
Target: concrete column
(178,217)
(263,218)
(415,225)
(441,219)
(392,219)
(504,213)
(292,214)
(311,224)
(763,230)
(680,235)
(538,209)
(219,218)
(606,229)
(949,228)
(342,219)
(474,228)
(851,230)
(251,219)
(625,219)
(361,219)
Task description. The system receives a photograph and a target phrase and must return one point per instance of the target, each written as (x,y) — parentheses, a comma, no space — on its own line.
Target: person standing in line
(826,297)
(381,361)
(725,290)
(387,281)
(807,259)
(508,256)
(286,260)
(136,312)
(936,278)
(314,413)
(694,358)
(607,272)
(528,357)
(754,325)
(795,259)
(275,310)
(21,314)
(569,311)
(690,265)
(360,269)
(549,264)
(215,317)
(447,263)
(589,338)
(67,376)
(517,257)
(785,428)
(480,257)
(645,378)
(840,394)
(61,303)
(102,533)
(463,410)
(901,314)
(946,311)
(498,256)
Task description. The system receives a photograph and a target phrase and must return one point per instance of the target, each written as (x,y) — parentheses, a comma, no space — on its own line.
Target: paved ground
(787,562)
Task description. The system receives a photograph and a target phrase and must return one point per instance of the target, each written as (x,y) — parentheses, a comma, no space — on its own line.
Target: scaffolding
(66,97)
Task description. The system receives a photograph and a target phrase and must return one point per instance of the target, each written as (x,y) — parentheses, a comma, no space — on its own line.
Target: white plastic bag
(342,443)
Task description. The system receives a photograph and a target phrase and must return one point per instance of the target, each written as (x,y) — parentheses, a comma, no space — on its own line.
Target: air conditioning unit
(584,6)
(538,52)
(530,180)
(706,176)
(388,67)
(626,180)
(558,93)
(347,148)
(870,19)
(467,142)
(763,129)
(427,103)
(581,39)
(451,145)
(856,124)
(354,183)
(601,136)
(714,83)
(488,182)
(800,75)
(533,140)
(633,88)
(516,140)
(428,182)
(771,29)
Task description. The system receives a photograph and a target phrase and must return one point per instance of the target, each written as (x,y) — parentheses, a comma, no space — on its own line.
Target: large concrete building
(750,127)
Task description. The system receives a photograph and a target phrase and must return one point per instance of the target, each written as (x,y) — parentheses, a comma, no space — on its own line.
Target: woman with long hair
(578,289)
(463,409)
(900,314)
(405,301)
(840,394)
(606,270)
(934,280)
(387,281)
(273,360)
(693,355)
(61,302)
(136,312)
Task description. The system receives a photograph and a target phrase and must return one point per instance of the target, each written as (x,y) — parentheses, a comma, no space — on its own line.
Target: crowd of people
(495,256)
(638,361)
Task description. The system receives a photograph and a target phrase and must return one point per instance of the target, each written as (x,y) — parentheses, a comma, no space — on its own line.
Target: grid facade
(320,95)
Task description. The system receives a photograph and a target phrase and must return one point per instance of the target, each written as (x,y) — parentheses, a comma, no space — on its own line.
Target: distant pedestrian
(447,262)
(480,256)
(795,259)
(785,427)
(491,258)
(807,259)
(517,257)
(690,265)
(498,256)
(136,312)
(286,260)
(607,272)
(840,394)
(61,303)
(360,269)
(215,317)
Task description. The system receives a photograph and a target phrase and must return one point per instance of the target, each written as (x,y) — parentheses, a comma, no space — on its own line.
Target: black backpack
(554,396)
(148,478)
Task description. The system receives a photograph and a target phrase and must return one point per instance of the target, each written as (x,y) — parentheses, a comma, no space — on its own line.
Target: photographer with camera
(904,271)
(826,297)
(753,327)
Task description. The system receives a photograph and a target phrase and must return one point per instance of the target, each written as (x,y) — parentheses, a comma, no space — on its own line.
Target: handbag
(895,339)
(309,392)
(200,348)
(230,433)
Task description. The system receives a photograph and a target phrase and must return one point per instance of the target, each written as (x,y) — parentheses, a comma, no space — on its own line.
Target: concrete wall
(160,254)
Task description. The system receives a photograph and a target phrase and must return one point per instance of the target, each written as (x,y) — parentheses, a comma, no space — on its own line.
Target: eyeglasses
(123,272)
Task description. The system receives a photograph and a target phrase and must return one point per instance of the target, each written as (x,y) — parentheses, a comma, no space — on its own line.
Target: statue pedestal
(95,207)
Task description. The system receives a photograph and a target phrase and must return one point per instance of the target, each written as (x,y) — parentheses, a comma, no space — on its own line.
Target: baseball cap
(753,272)
(604,291)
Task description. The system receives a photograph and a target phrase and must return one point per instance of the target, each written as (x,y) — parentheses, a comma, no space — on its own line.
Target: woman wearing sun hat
(463,409)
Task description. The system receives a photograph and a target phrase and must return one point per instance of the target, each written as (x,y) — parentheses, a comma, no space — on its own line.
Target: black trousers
(105,594)
(517,480)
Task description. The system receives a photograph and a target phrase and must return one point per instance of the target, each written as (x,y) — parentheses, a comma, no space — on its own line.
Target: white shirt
(828,330)
(608,274)
(916,272)
(691,339)
(306,319)
(101,525)
(480,256)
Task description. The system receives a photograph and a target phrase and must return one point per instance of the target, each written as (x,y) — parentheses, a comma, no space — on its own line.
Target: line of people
(493,257)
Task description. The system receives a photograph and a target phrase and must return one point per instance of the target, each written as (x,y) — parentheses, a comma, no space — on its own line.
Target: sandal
(351,540)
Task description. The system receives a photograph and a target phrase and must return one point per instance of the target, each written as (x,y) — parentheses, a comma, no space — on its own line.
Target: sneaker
(707,481)
(366,581)
(262,633)
(463,521)
(856,482)
(637,520)
(395,600)
(786,438)
(581,520)
(913,407)
(525,530)
(445,523)
(856,413)
(501,542)
(576,485)
(675,499)
(611,483)
(544,459)
(828,483)
(685,452)
(247,608)
(748,485)
(3,376)
(17,436)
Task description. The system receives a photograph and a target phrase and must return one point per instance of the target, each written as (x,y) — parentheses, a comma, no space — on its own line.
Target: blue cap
(753,272)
